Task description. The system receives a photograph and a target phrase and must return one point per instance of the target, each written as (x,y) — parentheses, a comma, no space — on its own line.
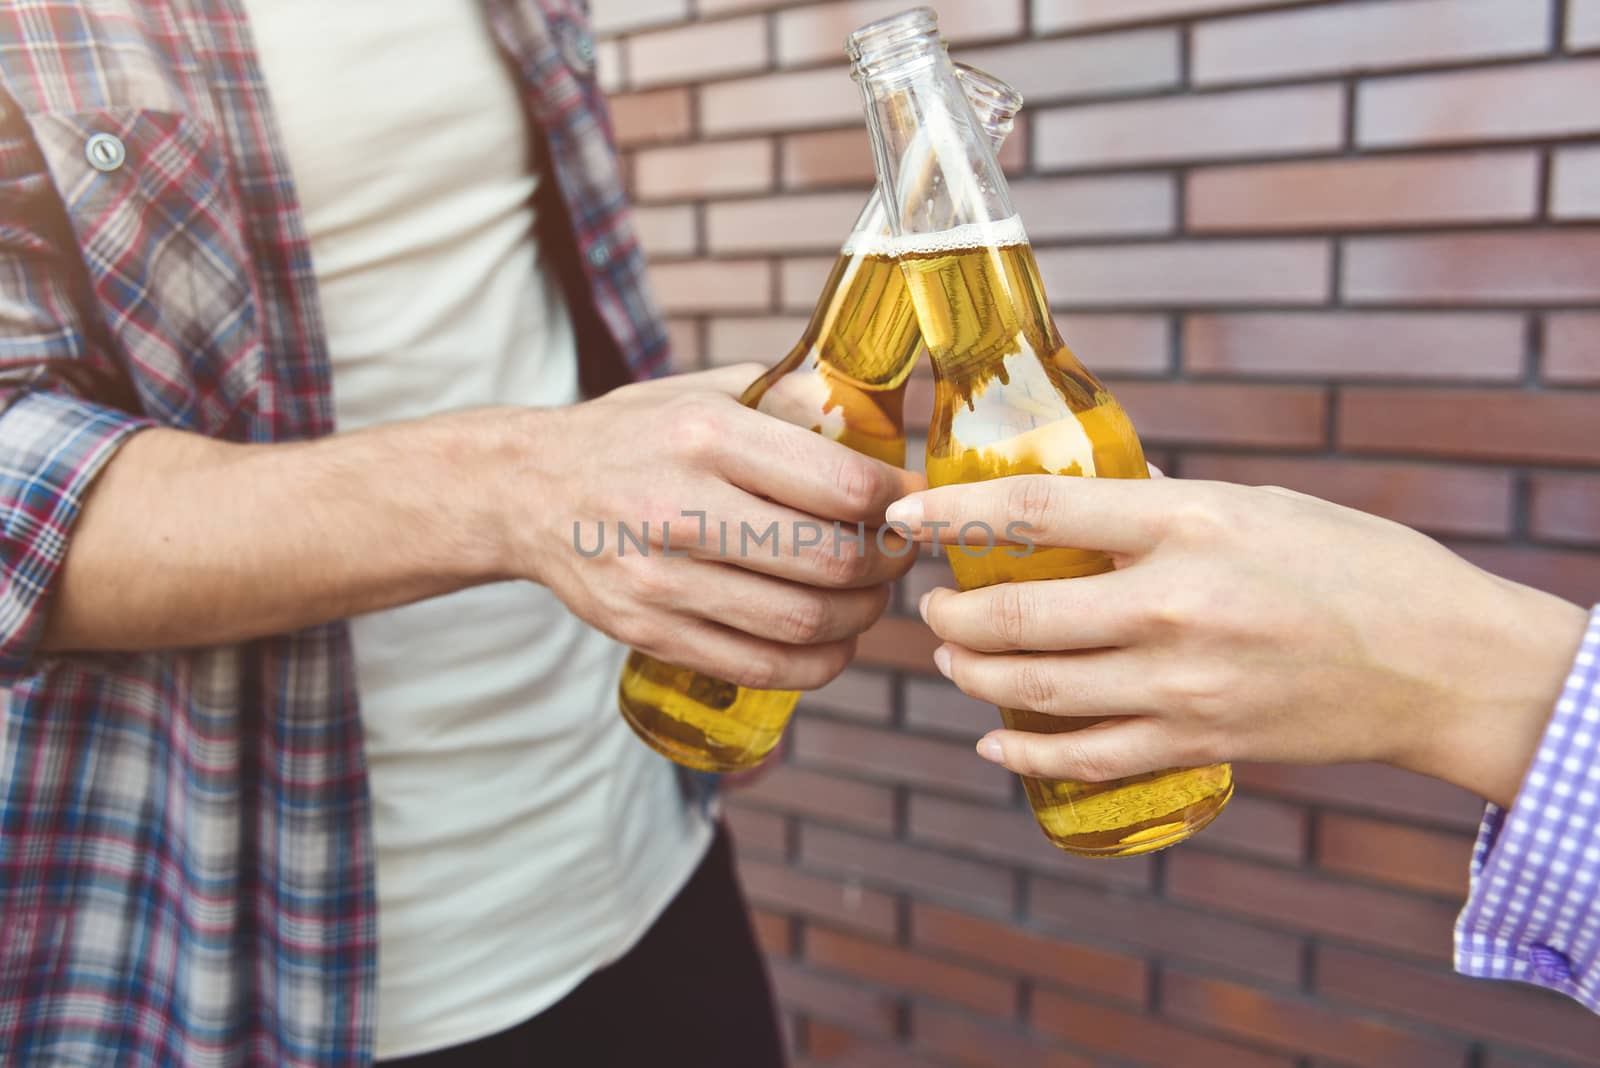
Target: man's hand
(770,614)
(1251,624)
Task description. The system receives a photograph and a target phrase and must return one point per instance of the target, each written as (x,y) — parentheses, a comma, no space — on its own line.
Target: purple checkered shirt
(186,865)
(1534,911)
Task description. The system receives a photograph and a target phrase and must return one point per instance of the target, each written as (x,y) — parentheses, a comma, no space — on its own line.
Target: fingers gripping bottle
(1010,397)
(845,379)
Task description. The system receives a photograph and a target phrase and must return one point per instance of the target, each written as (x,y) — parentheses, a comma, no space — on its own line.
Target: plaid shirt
(186,865)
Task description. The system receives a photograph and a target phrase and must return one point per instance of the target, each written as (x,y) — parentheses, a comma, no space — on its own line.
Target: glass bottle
(844,379)
(1010,397)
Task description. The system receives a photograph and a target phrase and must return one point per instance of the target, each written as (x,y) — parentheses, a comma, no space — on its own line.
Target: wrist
(1509,681)
(481,459)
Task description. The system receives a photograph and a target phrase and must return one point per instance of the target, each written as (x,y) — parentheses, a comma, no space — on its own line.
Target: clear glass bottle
(845,379)
(1010,397)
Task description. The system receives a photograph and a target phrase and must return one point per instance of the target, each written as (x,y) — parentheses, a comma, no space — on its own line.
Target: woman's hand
(1251,624)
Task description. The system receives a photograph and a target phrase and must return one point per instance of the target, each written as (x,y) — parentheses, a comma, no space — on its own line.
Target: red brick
(1052,15)
(1191,273)
(1572,574)
(1096,207)
(1474,423)
(1567,508)
(1261,828)
(827,158)
(791,101)
(837,1048)
(757,832)
(1012,835)
(922,872)
(910,972)
(1534,268)
(785,890)
(1118,344)
(1430,861)
(698,52)
(614,16)
(978,1043)
(684,337)
(1344,39)
(1009,949)
(1356,193)
(1438,498)
(1167,930)
(860,1007)
(773,931)
(814,222)
(1356,345)
(1583,24)
(1303,1026)
(802,281)
(1283,416)
(1358,913)
(864,696)
(1572,349)
(937,706)
(764,340)
(685,171)
(1082,66)
(1275,122)
(1575,188)
(1522,101)
(713,285)
(827,797)
(608,66)
(642,118)
(1503,1011)
(815,33)
(885,755)
(1145,1039)
(906,644)
(1371,787)
(667,231)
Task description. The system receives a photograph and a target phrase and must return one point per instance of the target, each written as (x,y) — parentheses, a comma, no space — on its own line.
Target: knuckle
(759,672)
(838,568)
(653,581)
(1031,500)
(807,619)
(857,484)
(1009,615)
(1036,686)
(698,428)
(1200,518)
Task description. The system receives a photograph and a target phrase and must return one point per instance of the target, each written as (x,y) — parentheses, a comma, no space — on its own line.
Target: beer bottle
(844,379)
(1009,397)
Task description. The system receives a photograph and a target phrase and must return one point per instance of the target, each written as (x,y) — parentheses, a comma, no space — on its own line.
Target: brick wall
(1349,247)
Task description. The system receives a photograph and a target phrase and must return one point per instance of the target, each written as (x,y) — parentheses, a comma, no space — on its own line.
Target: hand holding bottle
(771,614)
(1247,624)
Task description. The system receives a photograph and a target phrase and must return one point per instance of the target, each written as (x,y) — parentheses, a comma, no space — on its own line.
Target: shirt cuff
(52,447)
(1533,913)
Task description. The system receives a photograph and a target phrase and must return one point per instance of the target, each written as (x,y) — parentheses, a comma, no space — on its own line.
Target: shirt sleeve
(1533,912)
(64,404)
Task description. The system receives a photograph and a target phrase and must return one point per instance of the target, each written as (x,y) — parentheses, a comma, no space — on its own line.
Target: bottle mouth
(891,41)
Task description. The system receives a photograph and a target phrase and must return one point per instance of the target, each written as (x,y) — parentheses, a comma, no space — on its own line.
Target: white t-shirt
(524,836)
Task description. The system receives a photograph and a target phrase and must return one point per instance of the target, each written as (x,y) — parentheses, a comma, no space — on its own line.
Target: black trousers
(693,993)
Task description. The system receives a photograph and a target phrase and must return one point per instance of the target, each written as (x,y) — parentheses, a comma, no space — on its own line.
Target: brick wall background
(1348,247)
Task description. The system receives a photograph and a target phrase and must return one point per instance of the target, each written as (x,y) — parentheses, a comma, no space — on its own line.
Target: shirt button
(1551,964)
(105,152)
(577,45)
(600,255)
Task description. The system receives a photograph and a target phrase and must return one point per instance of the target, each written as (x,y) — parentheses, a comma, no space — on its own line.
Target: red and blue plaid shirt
(186,865)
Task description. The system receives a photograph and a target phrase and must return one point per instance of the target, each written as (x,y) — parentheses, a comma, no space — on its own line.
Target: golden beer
(1011,399)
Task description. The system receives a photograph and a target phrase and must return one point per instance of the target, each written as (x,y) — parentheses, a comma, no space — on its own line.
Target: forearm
(187,541)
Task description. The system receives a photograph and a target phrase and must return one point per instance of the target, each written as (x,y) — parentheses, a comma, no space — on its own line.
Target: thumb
(1111,749)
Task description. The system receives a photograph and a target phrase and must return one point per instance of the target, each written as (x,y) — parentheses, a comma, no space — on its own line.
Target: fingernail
(922,605)
(941,660)
(907,511)
(989,749)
